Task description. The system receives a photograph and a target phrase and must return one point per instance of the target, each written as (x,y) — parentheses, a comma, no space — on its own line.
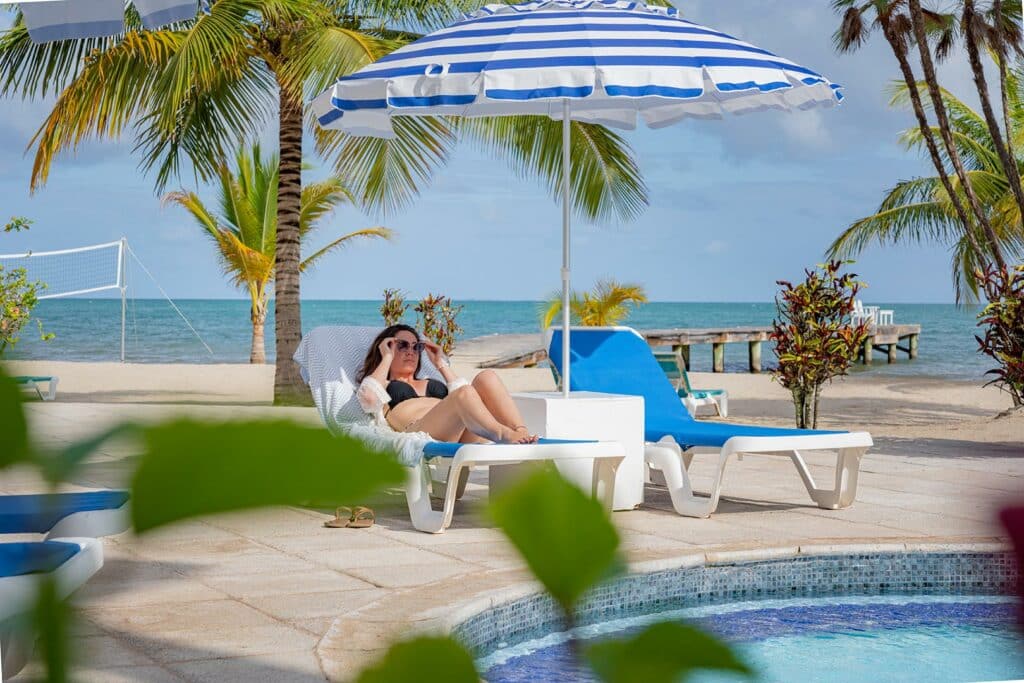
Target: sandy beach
(935,412)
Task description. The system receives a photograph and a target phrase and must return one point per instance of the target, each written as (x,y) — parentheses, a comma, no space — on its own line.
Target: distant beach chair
(330,357)
(33,381)
(872,315)
(88,514)
(69,562)
(674,367)
(617,360)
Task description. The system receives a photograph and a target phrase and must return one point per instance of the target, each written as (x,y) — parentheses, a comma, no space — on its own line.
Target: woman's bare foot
(521,435)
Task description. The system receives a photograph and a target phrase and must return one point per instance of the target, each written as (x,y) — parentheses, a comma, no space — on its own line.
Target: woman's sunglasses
(403,345)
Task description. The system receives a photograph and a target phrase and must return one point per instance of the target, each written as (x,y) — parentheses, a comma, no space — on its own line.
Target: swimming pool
(868,638)
(973,580)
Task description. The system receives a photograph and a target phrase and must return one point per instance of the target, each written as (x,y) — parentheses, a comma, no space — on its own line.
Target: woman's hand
(435,354)
(387,348)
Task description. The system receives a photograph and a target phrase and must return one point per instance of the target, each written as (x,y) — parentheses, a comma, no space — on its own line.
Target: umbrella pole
(565,248)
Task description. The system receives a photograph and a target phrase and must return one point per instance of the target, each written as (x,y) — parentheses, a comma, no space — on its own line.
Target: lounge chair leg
(677,480)
(603,488)
(847,471)
(417,495)
(723,406)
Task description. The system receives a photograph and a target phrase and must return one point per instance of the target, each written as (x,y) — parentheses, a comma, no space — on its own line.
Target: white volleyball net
(69,272)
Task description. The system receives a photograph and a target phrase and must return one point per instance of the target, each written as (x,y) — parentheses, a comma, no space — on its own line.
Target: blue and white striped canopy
(612,59)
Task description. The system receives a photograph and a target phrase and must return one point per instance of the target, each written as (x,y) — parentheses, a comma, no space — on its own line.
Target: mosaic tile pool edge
(974,573)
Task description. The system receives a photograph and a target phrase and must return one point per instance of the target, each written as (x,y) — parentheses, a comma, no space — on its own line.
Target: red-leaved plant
(1003,318)
(394,307)
(815,338)
(435,316)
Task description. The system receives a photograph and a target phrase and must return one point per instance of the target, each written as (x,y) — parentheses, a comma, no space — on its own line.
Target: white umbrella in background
(600,61)
(49,20)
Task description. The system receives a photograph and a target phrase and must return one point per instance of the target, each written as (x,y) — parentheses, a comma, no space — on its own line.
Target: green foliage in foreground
(18,297)
(189,468)
(609,303)
(563,534)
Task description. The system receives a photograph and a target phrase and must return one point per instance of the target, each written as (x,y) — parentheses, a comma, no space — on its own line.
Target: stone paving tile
(286,667)
(108,594)
(491,554)
(240,641)
(312,605)
(214,615)
(404,576)
(125,674)
(260,585)
(373,557)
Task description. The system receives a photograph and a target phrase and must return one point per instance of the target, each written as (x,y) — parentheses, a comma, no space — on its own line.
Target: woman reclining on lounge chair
(454,410)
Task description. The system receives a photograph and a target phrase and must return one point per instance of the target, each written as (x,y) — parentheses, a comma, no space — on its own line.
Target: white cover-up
(330,358)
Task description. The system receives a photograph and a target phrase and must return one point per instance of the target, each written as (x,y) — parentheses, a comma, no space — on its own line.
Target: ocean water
(90,330)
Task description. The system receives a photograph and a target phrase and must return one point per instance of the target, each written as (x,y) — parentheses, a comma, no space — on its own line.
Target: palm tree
(245,231)
(608,304)
(892,18)
(921,210)
(191,92)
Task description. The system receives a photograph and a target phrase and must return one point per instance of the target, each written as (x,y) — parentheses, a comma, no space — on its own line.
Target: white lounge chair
(330,358)
(70,562)
(617,360)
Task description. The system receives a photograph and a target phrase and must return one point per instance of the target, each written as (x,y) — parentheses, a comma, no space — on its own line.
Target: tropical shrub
(815,339)
(394,307)
(435,317)
(18,297)
(1003,319)
(609,303)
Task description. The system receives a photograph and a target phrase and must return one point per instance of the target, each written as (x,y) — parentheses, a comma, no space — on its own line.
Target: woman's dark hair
(373,356)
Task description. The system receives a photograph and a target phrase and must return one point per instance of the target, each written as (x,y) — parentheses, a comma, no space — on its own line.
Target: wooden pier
(885,338)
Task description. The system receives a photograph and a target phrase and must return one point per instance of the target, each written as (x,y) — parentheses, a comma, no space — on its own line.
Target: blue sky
(735,204)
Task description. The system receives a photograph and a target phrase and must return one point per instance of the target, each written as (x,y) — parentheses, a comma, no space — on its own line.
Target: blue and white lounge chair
(674,367)
(88,514)
(33,382)
(330,358)
(617,360)
(70,562)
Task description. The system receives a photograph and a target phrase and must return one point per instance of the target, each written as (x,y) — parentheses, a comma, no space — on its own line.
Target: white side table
(595,416)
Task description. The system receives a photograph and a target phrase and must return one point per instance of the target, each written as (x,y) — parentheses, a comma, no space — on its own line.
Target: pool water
(892,638)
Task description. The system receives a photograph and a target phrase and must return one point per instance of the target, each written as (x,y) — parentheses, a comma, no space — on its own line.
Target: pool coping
(359,637)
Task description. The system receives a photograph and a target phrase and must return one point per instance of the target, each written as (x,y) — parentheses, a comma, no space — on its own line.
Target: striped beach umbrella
(49,20)
(610,62)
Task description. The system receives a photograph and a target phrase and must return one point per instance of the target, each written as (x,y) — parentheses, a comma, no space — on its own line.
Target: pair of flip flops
(359,517)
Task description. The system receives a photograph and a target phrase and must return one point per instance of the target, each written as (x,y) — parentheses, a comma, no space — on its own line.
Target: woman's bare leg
(499,402)
(463,410)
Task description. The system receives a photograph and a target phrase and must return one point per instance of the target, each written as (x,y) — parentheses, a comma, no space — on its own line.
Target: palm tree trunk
(970,18)
(928,67)
(288,385)
(258,315)
(899,48)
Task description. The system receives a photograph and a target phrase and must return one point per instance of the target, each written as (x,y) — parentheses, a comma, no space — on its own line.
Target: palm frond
(605,181)
(322,54)
(320,199)
(379,231)
(386,174)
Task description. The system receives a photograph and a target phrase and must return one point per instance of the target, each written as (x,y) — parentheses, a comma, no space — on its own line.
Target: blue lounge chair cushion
(620,362)
(38,513)
(35,557)
(447,449)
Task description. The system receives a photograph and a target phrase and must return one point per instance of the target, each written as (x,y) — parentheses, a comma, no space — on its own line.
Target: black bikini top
(401,391)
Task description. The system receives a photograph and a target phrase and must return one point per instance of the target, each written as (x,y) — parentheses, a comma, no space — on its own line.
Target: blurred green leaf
(564,535)
(52,617)
(61,465)
(662,653)
(192,468)
(14,433)
(427,658)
